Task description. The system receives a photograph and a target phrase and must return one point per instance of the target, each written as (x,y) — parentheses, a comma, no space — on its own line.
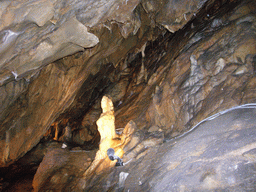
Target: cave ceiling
(162,67)
(102,44)
(58,58)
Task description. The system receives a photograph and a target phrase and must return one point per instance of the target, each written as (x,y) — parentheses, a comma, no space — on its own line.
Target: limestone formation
(53,174)
(177,18)
(219,66)
(8,37)
(122,178)
(56,127)
(73,31)
(40,12)
(167,64)
(106,122)
(33,34)
(217,163)
(109,139)
(67,136)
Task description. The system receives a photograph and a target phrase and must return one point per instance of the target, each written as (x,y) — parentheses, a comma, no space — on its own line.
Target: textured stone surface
(61,166)
(212,75)
(173,15)
(76,167)
(36,33)
(218,154)
(27,76)
(211,157)
(166,83)
(19,176)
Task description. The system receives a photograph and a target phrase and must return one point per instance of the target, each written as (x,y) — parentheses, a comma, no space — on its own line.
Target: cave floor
(218,154)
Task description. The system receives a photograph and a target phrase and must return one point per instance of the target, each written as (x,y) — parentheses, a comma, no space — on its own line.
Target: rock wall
(165,82)
(215,71)
(34,91)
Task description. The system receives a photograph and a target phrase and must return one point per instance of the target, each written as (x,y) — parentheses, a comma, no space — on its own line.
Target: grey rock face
(34,34)
(216,155)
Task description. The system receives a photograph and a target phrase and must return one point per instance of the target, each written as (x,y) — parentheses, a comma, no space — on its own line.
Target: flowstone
(109,139)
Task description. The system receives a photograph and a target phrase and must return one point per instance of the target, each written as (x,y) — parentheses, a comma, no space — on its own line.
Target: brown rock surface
(210,75)
(58,58)
(207,77)
(217,155)
(60,166)
(213,157)
(34,93)
(31,101)
(64,170)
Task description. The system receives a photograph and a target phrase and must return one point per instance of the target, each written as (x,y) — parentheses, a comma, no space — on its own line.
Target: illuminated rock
(106,122)
(109,138)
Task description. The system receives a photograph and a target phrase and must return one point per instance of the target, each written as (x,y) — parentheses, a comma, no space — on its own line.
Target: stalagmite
(7,147)
(109,138)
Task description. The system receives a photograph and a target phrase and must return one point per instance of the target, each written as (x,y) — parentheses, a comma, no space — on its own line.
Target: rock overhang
(36,33)
(37,111)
